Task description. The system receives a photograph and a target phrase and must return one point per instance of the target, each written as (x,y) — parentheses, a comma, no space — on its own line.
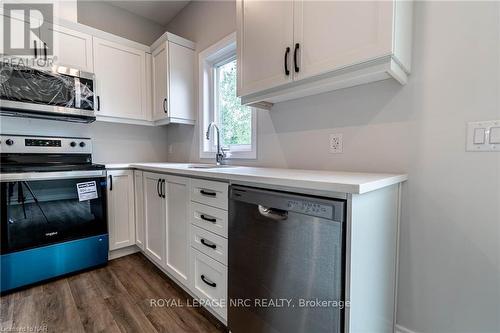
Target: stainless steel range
(53,209)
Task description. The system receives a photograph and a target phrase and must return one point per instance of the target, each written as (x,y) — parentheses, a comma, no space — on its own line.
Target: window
(219,103)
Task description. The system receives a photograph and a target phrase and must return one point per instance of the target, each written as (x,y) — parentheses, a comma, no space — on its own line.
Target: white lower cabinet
(208,215)
(210,281)
(154,218)
(139,209)
(187,239)
(209,243)
(121,209)
(177,227)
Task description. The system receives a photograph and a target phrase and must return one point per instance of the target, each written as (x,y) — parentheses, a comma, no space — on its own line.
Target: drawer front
(209,218)
(209,243)
(210,193)
(210,281)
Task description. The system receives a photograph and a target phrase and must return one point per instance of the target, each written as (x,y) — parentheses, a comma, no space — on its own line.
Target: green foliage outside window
(234,118)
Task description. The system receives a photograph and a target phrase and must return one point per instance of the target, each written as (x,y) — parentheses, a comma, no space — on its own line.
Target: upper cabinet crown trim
(168,36)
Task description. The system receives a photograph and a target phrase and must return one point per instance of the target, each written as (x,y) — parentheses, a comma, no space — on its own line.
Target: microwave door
(29,92)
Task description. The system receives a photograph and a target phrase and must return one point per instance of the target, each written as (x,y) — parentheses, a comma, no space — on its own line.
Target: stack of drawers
(208,238)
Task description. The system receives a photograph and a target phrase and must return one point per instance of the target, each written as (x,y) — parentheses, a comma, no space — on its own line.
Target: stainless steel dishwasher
(285,250)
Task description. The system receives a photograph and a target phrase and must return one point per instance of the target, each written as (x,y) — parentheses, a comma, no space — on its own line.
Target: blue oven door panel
(30,266)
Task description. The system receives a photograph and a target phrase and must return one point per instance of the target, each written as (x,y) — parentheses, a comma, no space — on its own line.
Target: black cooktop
(49,168)
(17,163)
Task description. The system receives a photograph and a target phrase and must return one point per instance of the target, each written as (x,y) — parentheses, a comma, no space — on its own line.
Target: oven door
(49,207)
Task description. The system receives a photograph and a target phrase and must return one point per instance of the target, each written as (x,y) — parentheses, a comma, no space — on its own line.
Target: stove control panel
(42,143)
(17,144)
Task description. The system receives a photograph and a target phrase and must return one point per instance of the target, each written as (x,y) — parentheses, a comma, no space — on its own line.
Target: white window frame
(208,60)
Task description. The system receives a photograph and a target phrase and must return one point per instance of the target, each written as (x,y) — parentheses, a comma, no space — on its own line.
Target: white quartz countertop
(329,181)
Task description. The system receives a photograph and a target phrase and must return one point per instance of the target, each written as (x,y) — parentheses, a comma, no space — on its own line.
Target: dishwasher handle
(273,213)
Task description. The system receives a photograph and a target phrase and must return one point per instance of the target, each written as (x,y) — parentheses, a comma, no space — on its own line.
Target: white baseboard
(401,329)
(122,252)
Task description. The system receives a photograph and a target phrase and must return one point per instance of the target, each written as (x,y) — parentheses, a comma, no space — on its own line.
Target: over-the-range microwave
(58,93)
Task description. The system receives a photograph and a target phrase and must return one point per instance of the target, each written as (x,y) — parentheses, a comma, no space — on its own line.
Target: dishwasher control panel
(310,208)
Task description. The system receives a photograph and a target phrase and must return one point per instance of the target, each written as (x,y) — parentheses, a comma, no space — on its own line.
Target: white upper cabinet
(18,25)
(160,82)
(321,45)
(71,48)
(121,80)
(265,37)
(329,35)
(121,218)
(173,80)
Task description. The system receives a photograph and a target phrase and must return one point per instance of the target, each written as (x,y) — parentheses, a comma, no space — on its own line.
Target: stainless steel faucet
(220,155)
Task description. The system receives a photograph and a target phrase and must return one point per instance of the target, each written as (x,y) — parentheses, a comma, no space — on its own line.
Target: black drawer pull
(111,182)
(209,244)
(210,283)
(208,193)
(209,219)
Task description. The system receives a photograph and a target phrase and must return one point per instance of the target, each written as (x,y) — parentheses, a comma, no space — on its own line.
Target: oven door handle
(9,177)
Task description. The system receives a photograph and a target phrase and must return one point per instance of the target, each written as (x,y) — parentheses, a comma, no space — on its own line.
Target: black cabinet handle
(98,103)
(158,187)
(208,193)
(165,105)
(45,51)
(36,52)
(209,219)
(295,61)
(162,188)
(111,182)
(210,283)
(208,244)
(287,71)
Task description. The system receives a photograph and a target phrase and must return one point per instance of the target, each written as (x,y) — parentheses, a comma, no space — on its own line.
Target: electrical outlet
(336,144)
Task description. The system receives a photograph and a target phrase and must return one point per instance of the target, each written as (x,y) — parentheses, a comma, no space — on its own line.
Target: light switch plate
(474,132)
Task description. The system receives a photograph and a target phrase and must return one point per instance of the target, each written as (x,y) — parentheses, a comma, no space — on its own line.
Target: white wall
(449,277)
(118,21)
(111,143)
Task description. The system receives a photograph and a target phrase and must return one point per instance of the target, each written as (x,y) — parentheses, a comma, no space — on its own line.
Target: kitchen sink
(208,166)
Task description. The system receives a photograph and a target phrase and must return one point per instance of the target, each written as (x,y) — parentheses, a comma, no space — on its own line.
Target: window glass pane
(235,119)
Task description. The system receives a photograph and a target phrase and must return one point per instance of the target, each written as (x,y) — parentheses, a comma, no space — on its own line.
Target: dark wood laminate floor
(115,298)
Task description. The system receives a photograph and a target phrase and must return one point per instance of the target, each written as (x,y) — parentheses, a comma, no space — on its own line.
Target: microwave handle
(98,103)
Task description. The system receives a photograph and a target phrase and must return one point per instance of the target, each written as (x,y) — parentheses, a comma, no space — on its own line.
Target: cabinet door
(18,26)
(160,82)
(121,209)
(139,209)
(177,193)
(154,216)
(265,31)
(336,34)
(71,48)
(181,76)
(121,80)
